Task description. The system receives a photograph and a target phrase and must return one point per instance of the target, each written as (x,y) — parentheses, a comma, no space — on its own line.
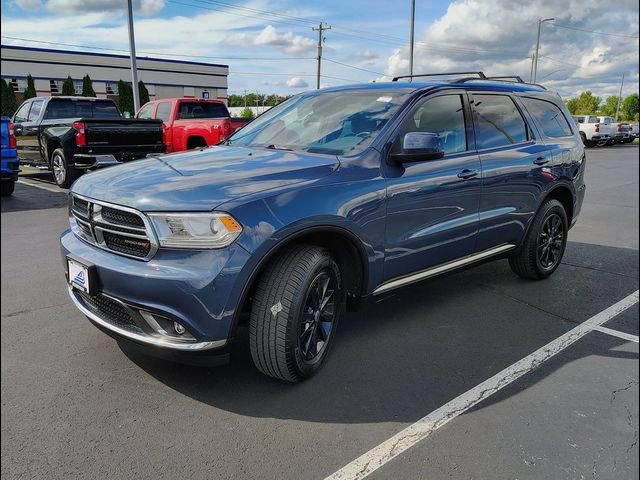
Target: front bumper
(196,289)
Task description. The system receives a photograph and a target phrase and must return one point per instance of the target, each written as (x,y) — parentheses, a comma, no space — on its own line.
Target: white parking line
(617,333)
(48,188)
(375,458)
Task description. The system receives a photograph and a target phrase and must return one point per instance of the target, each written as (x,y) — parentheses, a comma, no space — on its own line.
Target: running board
(445,267)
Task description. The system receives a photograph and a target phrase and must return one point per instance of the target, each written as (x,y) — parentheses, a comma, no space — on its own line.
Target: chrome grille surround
(128,225)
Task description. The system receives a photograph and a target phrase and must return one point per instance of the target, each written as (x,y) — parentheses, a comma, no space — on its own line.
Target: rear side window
(498,121)
(36,108)
(593,120)
(164,111)
(202,110)
(22,113)
(549,116)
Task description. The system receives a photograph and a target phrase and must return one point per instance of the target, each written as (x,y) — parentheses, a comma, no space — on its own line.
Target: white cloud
(30,5)
(69,7)
(287,42)
(364,56)
(497,38)
(297,82)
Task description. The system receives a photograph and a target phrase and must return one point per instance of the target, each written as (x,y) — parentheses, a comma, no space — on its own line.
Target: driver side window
(443,115)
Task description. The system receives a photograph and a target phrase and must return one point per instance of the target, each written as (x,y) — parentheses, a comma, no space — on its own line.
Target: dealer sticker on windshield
(78,275)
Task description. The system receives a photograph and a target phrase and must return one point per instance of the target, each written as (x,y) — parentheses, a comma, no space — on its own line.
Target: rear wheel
(295,312)
(63,174)
(544,245)
(7,187)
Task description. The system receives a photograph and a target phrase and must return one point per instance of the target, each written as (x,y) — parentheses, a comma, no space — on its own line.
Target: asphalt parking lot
(76,405)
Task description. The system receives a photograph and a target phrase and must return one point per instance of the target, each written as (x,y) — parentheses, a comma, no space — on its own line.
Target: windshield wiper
(277,147)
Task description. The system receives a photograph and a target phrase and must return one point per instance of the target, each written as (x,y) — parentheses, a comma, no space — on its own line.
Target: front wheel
(296,308)
(63,174)
(545,243)
(7,187)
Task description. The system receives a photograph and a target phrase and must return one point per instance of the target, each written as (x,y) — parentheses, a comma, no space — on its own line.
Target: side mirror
(419,146)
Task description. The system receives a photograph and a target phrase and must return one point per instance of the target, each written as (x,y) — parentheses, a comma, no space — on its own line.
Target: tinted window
(579,119)
(105,110)
(202,110)
(22,113)
(442,115)
(593,120)
(36,108)
(550,117)
(498,121)
(164,111)
(146,111)
(81,109)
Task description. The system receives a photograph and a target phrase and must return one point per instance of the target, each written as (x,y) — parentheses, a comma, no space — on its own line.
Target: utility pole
(535,64)
(532,57)
(619,98)
(411,36)
(321,28)
(134,68)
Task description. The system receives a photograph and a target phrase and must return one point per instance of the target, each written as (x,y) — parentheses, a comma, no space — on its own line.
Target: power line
(155,53)
(352,66)
(595,32)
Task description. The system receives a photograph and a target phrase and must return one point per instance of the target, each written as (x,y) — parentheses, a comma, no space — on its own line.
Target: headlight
(195,230)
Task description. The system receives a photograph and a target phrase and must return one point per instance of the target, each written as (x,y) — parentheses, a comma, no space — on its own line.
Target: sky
(270,46)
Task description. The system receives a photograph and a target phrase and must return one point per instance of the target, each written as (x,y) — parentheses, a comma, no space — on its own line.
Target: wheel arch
(345,246)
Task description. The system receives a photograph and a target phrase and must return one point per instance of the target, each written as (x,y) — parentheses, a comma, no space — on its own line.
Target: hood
(201,180)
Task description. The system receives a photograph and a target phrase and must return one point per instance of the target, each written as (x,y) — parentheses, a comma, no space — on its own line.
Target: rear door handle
(541,161)
(466,174)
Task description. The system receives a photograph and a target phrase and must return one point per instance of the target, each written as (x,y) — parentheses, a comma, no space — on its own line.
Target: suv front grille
(118,229)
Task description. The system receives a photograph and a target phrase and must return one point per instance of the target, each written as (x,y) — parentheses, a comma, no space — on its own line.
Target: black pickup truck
(70,135)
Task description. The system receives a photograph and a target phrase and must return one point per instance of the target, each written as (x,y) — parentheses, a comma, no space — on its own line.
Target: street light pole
(619,99)
(132,53)
(411,36)
(535,60)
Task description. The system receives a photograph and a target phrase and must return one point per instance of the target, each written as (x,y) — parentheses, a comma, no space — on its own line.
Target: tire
(285,325)
(7,187)
(533,260)
(63,174)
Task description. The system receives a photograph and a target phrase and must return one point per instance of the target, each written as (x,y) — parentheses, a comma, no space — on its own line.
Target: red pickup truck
(191,122)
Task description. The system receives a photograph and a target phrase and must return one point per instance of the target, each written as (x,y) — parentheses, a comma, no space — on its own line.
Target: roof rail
(507,79)
(480,75)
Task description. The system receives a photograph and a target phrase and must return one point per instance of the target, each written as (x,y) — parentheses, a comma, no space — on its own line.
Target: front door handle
(466,174)
(541,161)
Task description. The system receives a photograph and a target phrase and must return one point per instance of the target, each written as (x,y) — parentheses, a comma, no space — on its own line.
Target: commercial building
(163,78)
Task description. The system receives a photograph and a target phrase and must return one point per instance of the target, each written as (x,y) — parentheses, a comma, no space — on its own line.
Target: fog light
(178,328)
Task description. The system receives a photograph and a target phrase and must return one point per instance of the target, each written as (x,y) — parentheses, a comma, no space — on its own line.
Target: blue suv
(327,199)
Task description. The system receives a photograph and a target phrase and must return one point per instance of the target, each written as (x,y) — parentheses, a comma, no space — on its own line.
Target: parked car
(634,130)
(326,200)
(9,165)
(609,125)
(622,133)
(190,122)
(592,132)
(70,135)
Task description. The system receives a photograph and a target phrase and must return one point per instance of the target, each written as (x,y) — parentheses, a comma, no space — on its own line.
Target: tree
(587,103)
(610,106)
(125,97)
(30,92)
(247,113)
(572,105)
(68,87)
(87,87)
(631,107)
(8,100)
(143,92)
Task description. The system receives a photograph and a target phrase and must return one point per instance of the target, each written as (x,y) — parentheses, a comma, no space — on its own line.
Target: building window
(55,86)
(77,85)
(111,88)
(18,84)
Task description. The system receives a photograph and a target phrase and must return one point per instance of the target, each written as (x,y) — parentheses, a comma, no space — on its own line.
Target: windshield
(334,123)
